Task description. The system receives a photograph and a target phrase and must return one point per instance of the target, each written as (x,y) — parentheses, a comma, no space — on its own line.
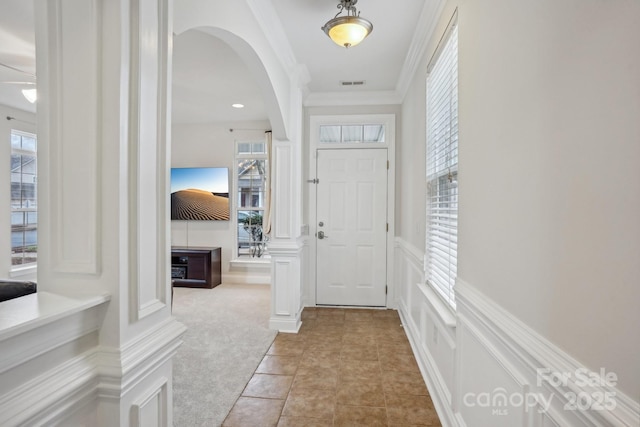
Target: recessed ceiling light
(237,105)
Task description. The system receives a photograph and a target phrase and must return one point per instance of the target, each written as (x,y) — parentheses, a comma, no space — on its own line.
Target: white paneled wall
(484,367)
(432,339)
(94,345)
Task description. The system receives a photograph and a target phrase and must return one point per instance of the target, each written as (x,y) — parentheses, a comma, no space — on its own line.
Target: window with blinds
(442,167)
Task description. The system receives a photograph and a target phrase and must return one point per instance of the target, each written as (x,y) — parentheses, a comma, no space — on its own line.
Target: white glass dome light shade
(348,31)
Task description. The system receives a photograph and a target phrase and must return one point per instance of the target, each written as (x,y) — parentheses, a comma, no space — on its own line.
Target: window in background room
(251,189)
(442,167)
(24,202)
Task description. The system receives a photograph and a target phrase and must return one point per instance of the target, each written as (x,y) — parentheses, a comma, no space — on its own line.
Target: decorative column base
(286,284)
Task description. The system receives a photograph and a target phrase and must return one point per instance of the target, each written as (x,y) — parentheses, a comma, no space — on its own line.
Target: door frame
(315,121)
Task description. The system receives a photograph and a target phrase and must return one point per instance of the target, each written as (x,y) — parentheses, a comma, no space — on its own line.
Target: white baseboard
(285,325)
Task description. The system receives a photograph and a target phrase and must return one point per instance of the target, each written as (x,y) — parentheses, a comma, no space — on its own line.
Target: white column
(286,245)
(103,71)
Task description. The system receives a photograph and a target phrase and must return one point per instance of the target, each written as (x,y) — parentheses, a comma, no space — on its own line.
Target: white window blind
(442,168)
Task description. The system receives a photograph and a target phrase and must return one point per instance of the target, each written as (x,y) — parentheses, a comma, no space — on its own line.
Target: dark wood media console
(196,267)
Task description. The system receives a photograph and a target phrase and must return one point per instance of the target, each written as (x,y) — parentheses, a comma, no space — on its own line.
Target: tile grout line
(384,395)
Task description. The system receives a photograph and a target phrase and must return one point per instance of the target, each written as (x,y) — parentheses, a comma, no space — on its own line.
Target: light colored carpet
(226,339)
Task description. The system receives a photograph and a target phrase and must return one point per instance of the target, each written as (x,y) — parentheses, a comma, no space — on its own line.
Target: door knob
(321,235)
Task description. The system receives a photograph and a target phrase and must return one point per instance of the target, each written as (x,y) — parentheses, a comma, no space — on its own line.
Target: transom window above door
(350,134)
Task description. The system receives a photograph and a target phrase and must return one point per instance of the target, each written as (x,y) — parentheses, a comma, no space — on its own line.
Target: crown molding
(419,44)
(323,99)
(271,26)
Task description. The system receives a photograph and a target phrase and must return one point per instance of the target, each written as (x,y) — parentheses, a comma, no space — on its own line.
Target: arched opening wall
(235,24)
(244,26)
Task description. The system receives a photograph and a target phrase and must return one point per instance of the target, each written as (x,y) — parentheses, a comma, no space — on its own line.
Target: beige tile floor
(346,367)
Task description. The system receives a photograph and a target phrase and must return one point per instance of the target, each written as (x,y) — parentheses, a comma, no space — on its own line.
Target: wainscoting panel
(73,131)
(489,383)
(484,367)
(549,400)
(437,341)
(283,190)
(148,157)
(432,338)
(151,410)
(286,286)
(282,270)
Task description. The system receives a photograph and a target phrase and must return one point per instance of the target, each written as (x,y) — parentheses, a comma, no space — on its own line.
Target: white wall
(549,237)
(25,122)
(549,176)
(202,145)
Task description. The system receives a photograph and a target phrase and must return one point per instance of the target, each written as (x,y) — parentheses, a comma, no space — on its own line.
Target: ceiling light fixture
(350,29)
(30,94)
(237,105)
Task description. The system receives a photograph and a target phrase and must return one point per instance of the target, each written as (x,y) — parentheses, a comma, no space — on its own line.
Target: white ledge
(248,262)
(439,306)
(20,315)
(29,270)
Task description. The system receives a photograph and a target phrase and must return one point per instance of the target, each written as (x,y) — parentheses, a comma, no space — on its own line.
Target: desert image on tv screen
(200,194)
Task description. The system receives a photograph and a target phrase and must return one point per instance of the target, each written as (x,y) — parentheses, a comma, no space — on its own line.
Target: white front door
(351,242)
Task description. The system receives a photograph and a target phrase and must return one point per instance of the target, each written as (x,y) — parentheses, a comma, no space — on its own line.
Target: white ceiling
(208,76)
(18,50)
(377,60)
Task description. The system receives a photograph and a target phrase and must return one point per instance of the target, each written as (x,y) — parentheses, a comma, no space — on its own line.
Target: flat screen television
(200,194)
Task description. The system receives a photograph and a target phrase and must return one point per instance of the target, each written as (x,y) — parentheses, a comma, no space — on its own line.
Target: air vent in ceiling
(352,83)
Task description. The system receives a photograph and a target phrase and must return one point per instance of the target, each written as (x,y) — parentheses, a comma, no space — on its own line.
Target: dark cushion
(10,289)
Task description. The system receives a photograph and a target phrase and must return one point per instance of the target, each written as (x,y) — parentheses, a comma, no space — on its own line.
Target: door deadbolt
(320,224)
